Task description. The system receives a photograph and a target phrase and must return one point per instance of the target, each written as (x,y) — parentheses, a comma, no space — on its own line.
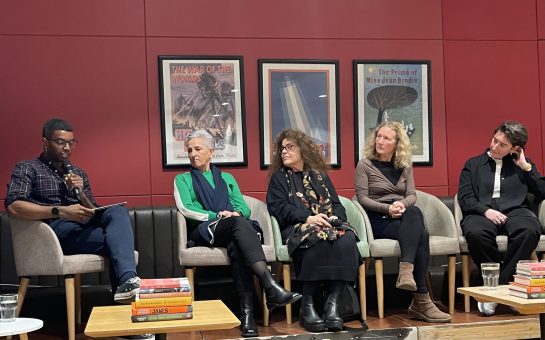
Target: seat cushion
(440,245)
(501,240)
(83,263)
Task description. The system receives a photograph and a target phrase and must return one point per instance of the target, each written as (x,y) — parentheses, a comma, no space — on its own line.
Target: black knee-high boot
(248,328)
(333,320)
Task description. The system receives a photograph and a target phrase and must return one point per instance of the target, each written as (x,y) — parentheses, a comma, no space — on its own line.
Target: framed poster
(302,95)
(399,91)
(202,93)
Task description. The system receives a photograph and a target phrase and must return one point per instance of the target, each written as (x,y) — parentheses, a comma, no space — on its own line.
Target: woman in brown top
(385,188)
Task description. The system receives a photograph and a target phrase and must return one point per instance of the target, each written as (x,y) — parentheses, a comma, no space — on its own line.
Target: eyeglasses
(287,147)
(62,142)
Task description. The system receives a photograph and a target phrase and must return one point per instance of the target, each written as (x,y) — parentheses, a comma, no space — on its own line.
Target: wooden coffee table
(111,321)
(524,306)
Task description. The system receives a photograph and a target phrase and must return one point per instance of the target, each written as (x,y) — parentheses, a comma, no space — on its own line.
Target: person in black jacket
(492,194)
(313,223)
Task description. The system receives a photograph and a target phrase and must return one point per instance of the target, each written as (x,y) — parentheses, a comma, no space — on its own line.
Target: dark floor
(49,306)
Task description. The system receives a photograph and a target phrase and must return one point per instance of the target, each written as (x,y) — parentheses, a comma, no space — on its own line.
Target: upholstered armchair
(356,220)
(194,257)
(439,222)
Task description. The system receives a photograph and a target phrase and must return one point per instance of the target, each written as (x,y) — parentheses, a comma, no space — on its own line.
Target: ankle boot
(333,321)
(308,318)
(405,279)
(248,328)
(275,294)
(423,308)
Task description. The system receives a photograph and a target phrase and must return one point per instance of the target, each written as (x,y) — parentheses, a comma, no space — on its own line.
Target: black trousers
(522,229)
(413,238)
(243,247)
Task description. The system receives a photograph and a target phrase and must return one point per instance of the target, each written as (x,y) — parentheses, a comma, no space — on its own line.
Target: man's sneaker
(126,292)
(487,308)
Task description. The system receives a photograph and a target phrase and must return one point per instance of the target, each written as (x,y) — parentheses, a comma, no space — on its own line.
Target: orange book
(525,288)
(160,310)
(163,302)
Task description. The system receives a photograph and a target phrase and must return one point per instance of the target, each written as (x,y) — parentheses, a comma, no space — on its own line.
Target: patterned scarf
(315,196)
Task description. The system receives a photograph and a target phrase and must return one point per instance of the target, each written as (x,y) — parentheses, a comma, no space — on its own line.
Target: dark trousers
(243,247)
(108,233)
(522,229)
(413,238)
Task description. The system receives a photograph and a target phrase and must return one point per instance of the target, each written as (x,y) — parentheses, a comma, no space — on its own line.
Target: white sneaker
(487,308)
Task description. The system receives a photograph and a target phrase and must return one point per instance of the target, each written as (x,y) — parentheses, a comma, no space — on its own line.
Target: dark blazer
(477,185)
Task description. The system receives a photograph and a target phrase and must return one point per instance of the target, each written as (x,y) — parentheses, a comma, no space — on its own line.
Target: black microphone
(69,169)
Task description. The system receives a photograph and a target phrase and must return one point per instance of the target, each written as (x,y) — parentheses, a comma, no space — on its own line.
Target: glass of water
(8,305)
(491,275)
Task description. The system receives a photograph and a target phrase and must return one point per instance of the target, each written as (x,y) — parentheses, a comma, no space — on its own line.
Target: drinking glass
(8,304)
(491,275)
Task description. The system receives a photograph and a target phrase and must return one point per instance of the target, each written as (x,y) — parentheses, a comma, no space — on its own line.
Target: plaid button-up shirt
(37,181)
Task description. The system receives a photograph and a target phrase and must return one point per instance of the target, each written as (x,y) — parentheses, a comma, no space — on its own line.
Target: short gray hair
(205,135)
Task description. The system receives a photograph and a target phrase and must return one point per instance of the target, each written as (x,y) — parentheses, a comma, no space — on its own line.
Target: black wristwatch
(55,211)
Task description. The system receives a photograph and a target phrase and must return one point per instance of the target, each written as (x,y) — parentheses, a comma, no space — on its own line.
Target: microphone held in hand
(69,169)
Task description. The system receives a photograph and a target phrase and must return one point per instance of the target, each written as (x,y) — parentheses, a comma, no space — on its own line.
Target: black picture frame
(299,94)
(394,90)
(202,92)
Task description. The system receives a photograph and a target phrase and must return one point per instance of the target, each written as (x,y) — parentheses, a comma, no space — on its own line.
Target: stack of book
(162,299)
(529,281)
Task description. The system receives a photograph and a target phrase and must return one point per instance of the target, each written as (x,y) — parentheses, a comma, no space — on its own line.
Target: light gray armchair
(356,221)
(194,257)
(439,222)
(37,251)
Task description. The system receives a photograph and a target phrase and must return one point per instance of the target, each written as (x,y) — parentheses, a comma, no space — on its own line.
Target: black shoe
(248,327)
(126,292)
(278,296)
(333,321)
(308,318)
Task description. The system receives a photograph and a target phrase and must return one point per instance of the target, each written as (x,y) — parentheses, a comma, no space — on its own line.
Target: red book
(164,283)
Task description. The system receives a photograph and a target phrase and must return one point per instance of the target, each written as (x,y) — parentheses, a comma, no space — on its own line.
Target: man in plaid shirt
(48,188)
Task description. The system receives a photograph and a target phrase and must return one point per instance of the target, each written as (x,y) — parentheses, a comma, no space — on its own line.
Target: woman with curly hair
(313,223)
(385,188)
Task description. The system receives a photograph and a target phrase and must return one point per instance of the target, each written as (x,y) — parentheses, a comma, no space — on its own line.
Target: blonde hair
(402,154)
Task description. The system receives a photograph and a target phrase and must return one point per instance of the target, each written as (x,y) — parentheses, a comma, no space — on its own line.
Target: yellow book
(529,281)
(163,302)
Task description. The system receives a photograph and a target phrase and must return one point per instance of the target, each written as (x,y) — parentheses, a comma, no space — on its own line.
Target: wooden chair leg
(361,285)
(379,274)
(451,282)
(465,279)
(533,256)
(70,306)
(77,294)
(190,274)
(543,256)
(21,293)
(287,286)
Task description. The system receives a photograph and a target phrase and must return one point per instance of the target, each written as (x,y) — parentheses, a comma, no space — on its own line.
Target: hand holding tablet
(104,207)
